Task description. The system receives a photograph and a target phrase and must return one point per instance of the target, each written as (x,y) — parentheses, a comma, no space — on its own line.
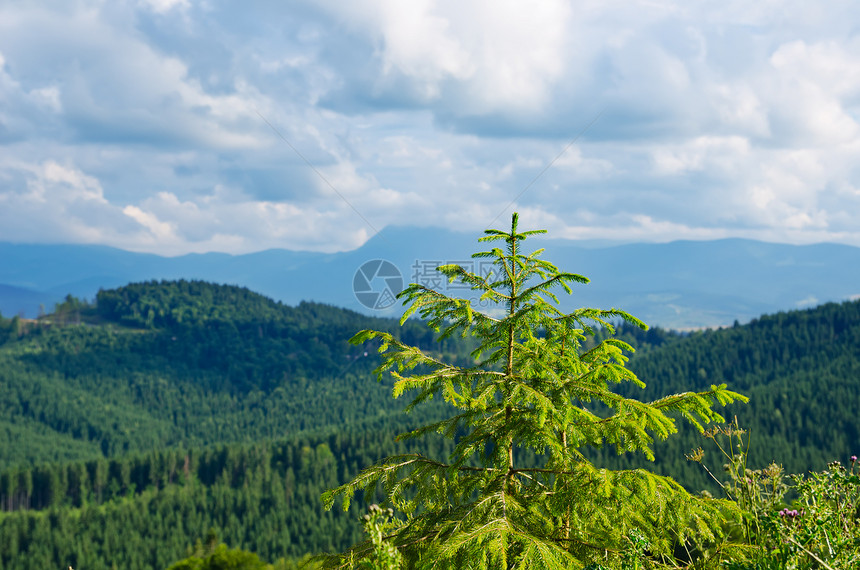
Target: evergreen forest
(160,413)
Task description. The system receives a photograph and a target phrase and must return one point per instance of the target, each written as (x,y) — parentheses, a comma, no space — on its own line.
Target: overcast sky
(174,126)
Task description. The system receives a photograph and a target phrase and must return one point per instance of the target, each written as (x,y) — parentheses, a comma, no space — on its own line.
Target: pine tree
(535,388)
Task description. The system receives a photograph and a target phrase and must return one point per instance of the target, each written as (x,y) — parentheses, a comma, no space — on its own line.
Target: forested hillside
(800,369)
(143,511)
(182,363)
(133,426)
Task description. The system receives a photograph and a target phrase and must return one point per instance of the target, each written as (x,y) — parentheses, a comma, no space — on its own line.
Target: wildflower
(695,455)
(853,459)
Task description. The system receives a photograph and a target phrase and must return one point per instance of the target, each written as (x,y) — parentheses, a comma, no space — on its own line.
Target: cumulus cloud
(468,58)
(55,200)
(113,86)
(183,125)
(50,202)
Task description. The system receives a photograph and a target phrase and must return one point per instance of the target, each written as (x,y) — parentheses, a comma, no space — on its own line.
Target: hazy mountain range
(682,284)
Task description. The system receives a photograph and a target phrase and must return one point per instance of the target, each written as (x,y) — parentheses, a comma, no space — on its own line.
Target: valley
(171,407)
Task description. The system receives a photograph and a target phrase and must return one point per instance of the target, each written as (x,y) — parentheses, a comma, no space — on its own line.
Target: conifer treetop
(518,492)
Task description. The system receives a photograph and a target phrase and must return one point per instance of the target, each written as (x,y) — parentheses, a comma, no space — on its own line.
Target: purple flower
(853,458)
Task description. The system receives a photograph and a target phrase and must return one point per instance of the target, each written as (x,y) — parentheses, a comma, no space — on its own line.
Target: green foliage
(142,511)
(87,391)
(214,556)
(70,311)
(102,389)
(825,529)
(755,492)
(799,369)
(223,558)
(93,417)
(819,530)
(536,388)
(383,555)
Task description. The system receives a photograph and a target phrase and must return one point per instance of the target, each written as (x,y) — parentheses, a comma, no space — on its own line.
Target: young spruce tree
(534,388)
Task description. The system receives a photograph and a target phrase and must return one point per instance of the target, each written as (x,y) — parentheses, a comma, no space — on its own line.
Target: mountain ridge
(682,284)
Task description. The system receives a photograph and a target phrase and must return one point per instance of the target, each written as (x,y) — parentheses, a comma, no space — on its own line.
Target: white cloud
(67,184)
(812,85)
(114,86)
(706,153)
(809,301)
(48,97)
(136,124)
(160,230)
(162,6)
(739,108)
(487,55)
(54,202)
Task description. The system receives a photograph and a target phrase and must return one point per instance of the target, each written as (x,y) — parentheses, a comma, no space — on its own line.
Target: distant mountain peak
(710,283)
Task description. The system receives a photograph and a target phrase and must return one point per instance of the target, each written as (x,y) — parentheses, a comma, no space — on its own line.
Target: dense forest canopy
(223,365)
(115,413)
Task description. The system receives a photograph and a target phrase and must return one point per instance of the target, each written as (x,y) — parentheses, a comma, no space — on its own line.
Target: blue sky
(175,126)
